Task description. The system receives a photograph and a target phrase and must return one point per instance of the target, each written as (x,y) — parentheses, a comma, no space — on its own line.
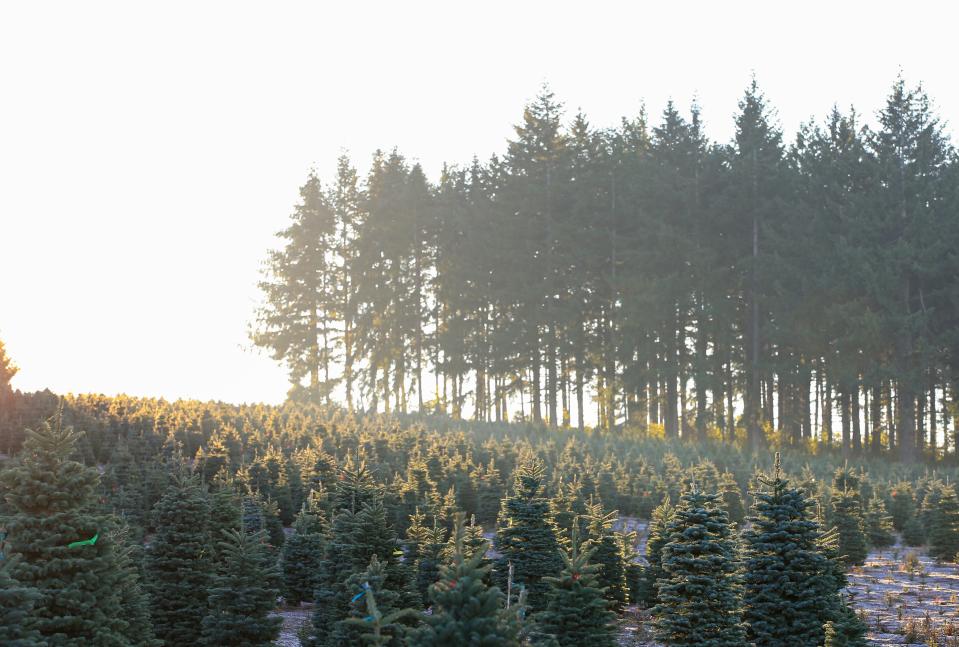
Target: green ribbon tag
(86,542)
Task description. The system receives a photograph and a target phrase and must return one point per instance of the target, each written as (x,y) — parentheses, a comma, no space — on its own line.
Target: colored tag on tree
(366,587)
(86,542)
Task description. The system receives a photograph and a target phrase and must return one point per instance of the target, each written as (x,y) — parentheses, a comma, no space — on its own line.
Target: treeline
(644,272)
(177,535)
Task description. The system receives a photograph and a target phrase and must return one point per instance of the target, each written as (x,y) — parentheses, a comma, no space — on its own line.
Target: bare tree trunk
(534,384)
(856,412)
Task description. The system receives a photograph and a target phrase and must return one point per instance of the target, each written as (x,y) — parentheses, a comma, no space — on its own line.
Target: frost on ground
(294,619)
(906,598)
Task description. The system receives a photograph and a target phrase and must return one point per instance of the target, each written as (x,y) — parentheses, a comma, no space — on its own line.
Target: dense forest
(640,276)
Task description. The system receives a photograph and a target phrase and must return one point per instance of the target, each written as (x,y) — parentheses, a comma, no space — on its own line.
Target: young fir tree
(658,535)
(240,602)
(303,552)
(66,553)
(375,609)
(358,532)
(225,514)
(429,559)
(473,543)
(259,515)
(845,626)
(788,580)
(732,498)
(526,537)
(846,629)
(576,610)
(944,526)
(466,609)
(16,605)
(608,555)
(847,515)
(879,524)
(274,526)
(135,602)
(564,506)
(699,594)
(903,506)
(179,563)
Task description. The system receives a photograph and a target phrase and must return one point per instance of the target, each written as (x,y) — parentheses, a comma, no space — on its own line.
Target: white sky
(148,152)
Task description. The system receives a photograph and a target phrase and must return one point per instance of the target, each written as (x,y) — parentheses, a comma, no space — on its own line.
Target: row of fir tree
(190,523)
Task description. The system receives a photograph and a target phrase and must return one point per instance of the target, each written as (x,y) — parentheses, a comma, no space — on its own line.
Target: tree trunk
(580,396)
(876,417)
(534,387)
(844,418)
(856,427)
(827,413)
(551,383)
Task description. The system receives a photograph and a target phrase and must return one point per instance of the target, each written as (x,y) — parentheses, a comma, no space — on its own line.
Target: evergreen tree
(732,498)
(904,226)
(16,604)
(359,531)
(303,553)
(295,322)
(239,601)
(179,563)
(944,526)
(565,506)
(576,611)
(429,559)
(847,630)
(225,514)
(473,543)
(466,610)
(274,527)
(757,183)
(847,513)
(879,524)
(658,536)
(606,554)
(134,600)
(49,508)
(526,537)
(788,580)
(258,515)
(699,596)
(7,368)
(913,533)
(842,623)
(903,506)
(376,609)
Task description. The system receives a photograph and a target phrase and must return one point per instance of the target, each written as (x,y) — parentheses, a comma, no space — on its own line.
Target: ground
(904,597)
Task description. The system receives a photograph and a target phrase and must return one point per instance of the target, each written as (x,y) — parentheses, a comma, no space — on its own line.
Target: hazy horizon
(149,156)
